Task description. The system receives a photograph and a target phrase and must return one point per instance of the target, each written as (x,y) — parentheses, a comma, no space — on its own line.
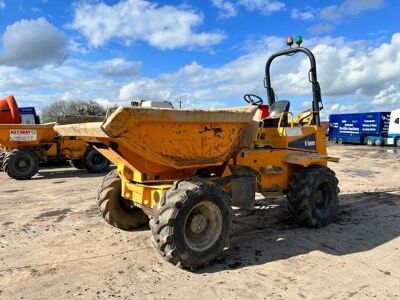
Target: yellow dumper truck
(24,146)
(185,169)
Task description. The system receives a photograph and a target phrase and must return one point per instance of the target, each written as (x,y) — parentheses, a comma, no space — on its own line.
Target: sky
(206,53)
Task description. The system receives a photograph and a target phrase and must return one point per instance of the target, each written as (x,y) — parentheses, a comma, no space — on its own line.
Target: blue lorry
(373,128)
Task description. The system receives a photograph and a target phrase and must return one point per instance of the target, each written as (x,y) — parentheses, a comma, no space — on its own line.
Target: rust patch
(217,131)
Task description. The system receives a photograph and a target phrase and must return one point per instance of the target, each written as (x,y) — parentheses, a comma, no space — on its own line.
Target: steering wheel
(249,99)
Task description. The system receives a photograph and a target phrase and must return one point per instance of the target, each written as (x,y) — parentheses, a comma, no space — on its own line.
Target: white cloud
(349,8)
(164,27)
(32,44)
(306,15)
(332,15)
(354,75)
(265,7)
(146,88)
(2,4)
(229,9)
(118,67)
(226,8)
(345,70)
(388,96)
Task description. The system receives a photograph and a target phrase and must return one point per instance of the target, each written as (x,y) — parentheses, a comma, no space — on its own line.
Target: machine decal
(23,135)
(293,131)
(308,142)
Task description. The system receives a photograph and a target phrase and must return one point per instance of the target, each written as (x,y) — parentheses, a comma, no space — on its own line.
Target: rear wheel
(378,142)
(369,141)
(334,140)
(95,162)
(397,142)
(313,196)
(191,223)
(116,210)
(340,140)
(21,164)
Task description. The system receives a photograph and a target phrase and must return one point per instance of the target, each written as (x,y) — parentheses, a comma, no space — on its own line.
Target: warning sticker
(23,135)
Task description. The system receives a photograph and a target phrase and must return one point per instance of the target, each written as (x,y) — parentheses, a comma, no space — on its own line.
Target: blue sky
(206,53)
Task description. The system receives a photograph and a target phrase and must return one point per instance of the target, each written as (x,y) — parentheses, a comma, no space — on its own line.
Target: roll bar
(312,77)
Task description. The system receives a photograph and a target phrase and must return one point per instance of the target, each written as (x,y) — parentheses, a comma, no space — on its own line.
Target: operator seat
(275,111)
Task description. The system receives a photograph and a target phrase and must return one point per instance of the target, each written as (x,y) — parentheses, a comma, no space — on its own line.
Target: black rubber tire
(2,155)
(173,218)
(378,142)
(77,163)
(334,140)
(397,142)
(340,141)
(95,162)
(112,207)
(17,156)
(305,187)
(369,141)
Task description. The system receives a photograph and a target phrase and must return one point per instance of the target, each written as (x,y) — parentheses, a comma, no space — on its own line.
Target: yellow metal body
(152,148)
(42,139)
(275,159)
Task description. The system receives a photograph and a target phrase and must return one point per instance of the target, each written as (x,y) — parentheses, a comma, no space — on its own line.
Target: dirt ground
(54,244)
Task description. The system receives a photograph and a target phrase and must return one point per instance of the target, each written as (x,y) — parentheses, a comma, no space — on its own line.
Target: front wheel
(313,196)
(191,224)
(95,162)
(2,155)
(21,164)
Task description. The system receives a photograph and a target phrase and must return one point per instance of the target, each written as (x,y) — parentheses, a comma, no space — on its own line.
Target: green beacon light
(298,40)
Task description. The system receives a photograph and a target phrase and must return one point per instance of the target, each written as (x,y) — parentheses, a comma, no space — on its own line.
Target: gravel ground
(54,244)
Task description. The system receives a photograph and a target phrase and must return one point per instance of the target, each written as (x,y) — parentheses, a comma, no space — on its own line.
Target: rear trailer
(360,128)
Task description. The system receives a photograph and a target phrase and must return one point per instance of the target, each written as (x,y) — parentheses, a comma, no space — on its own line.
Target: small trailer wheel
(21,164)
(115,209)
(95,162)
(313,196)
(191,223)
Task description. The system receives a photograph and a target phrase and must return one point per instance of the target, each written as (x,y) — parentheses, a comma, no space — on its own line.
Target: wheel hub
(198,224)
(97,159)
(22,164)
(203,226)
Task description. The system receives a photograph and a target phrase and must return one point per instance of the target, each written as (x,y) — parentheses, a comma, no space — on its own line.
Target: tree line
(62,108)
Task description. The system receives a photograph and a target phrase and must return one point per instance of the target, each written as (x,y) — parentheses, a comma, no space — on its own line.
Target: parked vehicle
(186,168)
(373,128)
(24,146)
